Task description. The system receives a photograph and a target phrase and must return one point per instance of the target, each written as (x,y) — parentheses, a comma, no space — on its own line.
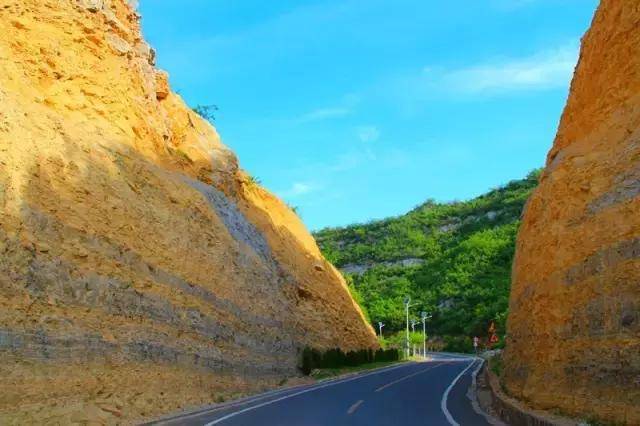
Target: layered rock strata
(141,270)
(574,325)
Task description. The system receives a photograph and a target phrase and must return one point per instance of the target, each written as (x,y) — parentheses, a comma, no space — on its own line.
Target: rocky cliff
(141,270)
(574,325)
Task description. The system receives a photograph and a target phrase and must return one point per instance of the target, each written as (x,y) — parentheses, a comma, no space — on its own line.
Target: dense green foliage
(336,358)
(397,340)
(461,254)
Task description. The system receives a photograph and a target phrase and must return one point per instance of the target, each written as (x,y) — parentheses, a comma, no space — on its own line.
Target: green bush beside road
(335,358)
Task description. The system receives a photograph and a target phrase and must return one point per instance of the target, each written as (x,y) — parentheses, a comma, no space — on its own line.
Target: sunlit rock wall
(141,270)
(574,325)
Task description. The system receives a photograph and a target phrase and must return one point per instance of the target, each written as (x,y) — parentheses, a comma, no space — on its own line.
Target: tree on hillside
(467,248)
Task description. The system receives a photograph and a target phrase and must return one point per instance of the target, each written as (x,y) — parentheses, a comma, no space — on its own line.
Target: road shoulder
(495,401)
(193,414)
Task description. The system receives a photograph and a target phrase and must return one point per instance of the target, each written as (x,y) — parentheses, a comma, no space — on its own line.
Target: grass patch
(496,365)
(590,421)
(326,373)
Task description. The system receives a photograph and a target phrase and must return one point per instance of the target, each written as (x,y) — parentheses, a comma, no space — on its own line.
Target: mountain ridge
(432,253)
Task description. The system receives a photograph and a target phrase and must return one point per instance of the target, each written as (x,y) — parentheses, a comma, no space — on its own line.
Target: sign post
(493,337)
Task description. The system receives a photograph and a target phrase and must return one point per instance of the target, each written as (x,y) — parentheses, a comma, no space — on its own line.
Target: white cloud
(323,114)
(368,133)
(343,107)
(343,162)
(298,189)
(543,70)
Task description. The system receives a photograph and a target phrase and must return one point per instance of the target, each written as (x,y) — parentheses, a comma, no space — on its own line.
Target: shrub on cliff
(208,112)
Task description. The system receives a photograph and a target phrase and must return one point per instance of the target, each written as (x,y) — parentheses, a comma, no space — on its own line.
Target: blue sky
(354,110)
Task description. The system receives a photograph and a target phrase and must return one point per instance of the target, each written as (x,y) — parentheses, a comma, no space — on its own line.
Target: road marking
(224,406)
(409,376)
(244,401)
(443,403)
(354,407)
(273,401)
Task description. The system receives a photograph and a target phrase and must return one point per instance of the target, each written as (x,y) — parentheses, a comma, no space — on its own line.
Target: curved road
(430,393)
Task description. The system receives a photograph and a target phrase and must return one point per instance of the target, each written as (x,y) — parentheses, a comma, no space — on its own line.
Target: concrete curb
(514,412)
(472,394)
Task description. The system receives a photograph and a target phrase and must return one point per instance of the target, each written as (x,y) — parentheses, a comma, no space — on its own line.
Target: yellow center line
(409,376)
(354,407)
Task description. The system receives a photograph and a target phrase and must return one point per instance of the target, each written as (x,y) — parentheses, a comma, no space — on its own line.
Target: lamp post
(407,305)
(424,316)
(413,330)
(380,325)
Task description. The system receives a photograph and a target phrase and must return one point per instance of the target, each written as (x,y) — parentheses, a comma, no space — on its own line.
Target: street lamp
(413,330)
(424,316)
(407,305)
(380,325)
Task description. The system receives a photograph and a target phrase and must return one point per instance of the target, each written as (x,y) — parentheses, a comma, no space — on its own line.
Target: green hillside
(453,259)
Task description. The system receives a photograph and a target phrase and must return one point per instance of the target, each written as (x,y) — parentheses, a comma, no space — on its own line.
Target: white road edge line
(443,403)
(250,399)
(224,406)
(273,401)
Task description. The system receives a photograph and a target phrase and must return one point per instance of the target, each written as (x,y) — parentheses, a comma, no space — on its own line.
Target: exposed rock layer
(574,325)
(140,269)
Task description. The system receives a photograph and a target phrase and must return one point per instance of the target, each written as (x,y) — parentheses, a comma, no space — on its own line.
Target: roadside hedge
(335,358)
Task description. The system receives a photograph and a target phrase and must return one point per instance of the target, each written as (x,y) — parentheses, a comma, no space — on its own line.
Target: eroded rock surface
(141,271)
(574,325)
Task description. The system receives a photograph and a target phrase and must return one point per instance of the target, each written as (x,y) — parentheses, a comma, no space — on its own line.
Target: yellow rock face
(140,270)
(574,326)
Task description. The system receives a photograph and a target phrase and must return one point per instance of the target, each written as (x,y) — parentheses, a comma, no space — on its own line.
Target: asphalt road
(430,393)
